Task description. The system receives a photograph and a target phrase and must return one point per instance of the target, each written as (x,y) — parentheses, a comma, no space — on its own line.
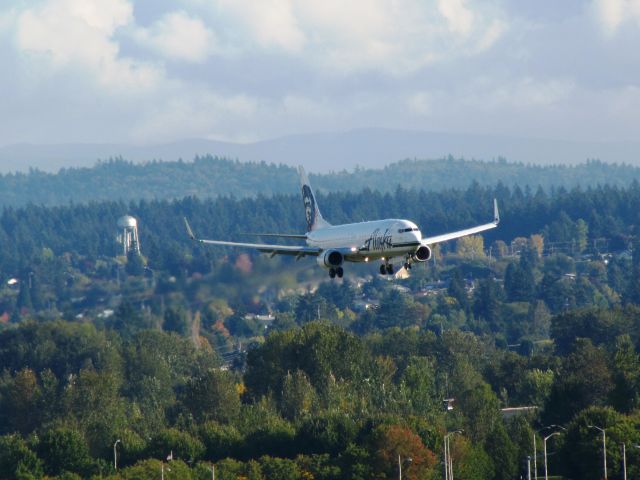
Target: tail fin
(311,210)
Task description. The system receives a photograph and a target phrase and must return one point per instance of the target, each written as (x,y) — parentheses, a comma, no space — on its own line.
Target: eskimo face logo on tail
(309,205)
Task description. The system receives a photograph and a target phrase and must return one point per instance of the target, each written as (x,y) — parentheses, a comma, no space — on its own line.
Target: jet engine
(330,259)
(422,254)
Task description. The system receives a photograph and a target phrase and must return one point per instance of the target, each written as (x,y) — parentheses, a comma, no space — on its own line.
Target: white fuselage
(369,240)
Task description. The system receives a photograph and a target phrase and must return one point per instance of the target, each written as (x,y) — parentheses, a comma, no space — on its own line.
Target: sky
(154,71)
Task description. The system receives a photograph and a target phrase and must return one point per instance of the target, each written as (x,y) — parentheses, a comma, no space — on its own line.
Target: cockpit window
(408,229)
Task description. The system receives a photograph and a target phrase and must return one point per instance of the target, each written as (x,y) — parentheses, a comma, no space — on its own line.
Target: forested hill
(603,213)
(213,177)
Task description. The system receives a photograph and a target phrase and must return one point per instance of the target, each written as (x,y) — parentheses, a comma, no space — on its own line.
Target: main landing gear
(336,271)
(386,269)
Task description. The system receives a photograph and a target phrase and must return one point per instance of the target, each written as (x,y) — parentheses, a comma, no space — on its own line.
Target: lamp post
(546,473)
(448,461)
(624,461)
(604,448)
(529,467)
(115,455)
(535,450)
(408,460)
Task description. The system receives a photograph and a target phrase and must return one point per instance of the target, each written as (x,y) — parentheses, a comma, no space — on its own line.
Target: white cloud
(178,36)
(79,33)
(391,36)
(518,94)
(269,23)
(459,17)
(421,103)
(612,14)
(185,112)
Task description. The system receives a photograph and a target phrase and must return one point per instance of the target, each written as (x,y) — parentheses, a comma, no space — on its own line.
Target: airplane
(334,245)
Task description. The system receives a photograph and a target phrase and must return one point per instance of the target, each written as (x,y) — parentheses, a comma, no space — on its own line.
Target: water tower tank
(127,222)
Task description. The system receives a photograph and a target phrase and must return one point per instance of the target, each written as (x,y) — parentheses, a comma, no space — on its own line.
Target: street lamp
(546,473)
(604,448)
(535,451)
(408,460)
(448,461)
(115,455)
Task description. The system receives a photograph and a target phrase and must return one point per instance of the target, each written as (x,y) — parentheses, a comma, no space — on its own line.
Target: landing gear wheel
(383,269)
(339,272)
(407,265)
(332,273)
(389,269)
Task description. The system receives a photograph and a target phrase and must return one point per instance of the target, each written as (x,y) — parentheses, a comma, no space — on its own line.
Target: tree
(279,468)
(486,303)
(625,395)
(471,246)
(24,297)
(181,445)
(457,290)
(63,449)
(176,320)
(503,452)
(420,380)
(212,395)
(519,282)
(17,460)
(298,396)
(135,264)
(21,402)
(392,441)
(583,381)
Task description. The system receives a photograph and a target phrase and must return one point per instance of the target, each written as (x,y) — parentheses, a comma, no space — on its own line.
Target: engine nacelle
(422,254)
(330,259)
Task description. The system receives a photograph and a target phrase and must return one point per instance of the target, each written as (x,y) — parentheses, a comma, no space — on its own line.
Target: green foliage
(17,460)
(311,350)
(212,396)
(220,441)
(584,380)
(63,449)
(175,443)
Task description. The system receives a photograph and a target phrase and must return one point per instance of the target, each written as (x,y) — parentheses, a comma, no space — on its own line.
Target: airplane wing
(281,235)
(468,231)
(298,251)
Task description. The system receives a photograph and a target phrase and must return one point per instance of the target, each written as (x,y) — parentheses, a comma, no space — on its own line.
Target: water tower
(128,235)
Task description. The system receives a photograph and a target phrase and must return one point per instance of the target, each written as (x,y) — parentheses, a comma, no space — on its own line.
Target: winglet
(496,213)
(189,231)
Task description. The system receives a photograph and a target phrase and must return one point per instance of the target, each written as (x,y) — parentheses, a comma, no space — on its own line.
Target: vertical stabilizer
(311,210)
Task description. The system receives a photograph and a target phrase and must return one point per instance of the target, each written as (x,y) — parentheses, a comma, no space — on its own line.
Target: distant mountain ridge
(330,151)
(214,177)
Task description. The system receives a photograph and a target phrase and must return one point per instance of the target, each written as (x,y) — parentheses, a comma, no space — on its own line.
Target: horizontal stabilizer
(300,251)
